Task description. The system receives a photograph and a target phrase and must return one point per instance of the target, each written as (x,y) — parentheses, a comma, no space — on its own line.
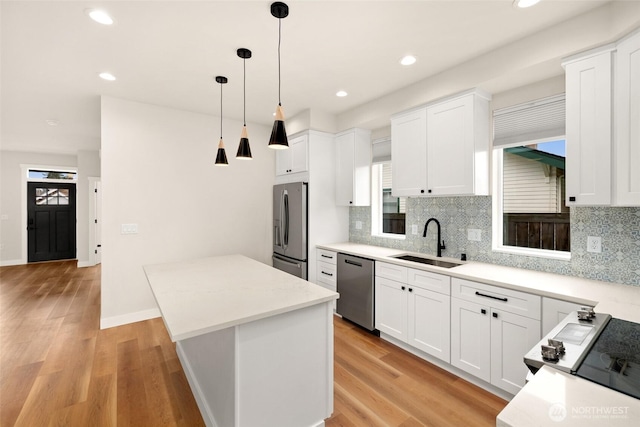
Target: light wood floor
(57,368)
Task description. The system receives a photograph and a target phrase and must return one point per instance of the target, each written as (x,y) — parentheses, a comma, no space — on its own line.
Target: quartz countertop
(205,295)
(621,301)
(554,398)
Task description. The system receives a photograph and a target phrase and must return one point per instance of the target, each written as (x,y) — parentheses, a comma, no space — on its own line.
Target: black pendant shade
(221,157)
(279,138)
(244,150)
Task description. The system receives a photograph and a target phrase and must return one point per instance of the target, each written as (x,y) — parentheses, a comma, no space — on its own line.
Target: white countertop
(554,398)
(205,295)
(621,301)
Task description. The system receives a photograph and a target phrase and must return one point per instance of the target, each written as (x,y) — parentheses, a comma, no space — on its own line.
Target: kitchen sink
(429,261)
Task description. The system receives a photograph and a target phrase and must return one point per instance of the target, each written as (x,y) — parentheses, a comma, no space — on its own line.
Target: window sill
(390,236)
(539,253)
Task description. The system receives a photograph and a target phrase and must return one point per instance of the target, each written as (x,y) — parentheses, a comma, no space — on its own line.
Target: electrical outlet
(594,244)
(414,229)
(474,234)
(358,225)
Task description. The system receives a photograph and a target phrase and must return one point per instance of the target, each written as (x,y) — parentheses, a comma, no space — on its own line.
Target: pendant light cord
(220,110)
(244,91)
(279,40)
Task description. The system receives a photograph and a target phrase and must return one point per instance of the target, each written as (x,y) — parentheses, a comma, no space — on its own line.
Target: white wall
(12,185)
(88,166)
(158,172)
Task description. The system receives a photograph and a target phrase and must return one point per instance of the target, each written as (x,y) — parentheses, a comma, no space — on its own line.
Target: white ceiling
(168,53)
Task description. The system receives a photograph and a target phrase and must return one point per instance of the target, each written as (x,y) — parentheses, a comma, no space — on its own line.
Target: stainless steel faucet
(440,246)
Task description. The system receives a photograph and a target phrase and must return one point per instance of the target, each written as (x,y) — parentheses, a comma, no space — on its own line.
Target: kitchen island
(256,344)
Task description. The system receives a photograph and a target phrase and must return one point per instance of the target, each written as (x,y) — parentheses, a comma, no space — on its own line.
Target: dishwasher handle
(357,264)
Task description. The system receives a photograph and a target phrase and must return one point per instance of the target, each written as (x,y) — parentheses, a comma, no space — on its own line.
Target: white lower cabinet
(391,307)
(326,270)
(411,311)
(512,336)
(488,340)
(471,338)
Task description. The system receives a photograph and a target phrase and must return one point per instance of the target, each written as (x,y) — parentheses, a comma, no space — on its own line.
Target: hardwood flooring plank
(57,368)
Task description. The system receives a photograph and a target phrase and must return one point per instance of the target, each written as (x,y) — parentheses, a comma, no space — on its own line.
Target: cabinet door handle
(491,296)
(429,191)
(327,274)
(410,289)
(403,288)
(494,314)
(572,199)
(421,191)
(483,311)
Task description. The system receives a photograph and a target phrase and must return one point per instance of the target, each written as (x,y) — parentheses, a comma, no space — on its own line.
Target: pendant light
(244,150)
(221,158)
(278,138)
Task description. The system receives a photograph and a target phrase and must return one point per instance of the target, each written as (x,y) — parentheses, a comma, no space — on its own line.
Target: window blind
(532,121)
(381,151)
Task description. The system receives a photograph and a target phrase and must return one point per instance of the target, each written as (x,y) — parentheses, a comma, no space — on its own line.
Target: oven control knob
(550,353)
(559,345)
(586,313)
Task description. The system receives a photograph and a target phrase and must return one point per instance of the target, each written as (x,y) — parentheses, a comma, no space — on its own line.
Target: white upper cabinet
(353,168)
(409,153)
(627,122)
(442,149)
(589,141)
(295,158)
(603,125)
(458,146)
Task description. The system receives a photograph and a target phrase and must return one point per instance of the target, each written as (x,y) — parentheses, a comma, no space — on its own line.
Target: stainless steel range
(593,346)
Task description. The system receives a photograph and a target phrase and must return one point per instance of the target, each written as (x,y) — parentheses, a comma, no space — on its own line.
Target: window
(36,174)
(387,212)
(530,216)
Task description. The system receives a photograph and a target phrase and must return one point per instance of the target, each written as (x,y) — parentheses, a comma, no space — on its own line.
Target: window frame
(377,207)
(498,206)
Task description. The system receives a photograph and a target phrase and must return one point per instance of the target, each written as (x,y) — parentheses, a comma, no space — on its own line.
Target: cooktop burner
(614,359)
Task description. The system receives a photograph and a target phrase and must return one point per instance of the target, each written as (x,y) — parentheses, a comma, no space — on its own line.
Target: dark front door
(51,221)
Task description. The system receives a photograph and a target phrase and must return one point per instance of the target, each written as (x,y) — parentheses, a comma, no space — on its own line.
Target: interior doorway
(51,221)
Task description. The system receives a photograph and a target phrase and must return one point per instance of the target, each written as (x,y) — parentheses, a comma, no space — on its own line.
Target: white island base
(271,372)
(256,344)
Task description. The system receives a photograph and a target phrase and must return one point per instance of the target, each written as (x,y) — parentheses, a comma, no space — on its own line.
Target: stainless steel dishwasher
(355,286)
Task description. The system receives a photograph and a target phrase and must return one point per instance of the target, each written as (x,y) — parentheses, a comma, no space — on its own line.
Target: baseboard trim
(124,319)
(9,262)
(82,264)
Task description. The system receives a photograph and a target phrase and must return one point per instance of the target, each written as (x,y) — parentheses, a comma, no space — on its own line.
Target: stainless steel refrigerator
(290,228)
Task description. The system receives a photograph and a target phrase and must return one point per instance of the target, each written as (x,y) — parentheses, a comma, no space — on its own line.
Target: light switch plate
(129,229)
(414,229)
(358,225)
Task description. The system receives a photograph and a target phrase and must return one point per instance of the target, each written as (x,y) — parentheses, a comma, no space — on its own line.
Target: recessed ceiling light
(341,93)
(52,122)
(107,76)
(99,16)
(408,60)
(525,3)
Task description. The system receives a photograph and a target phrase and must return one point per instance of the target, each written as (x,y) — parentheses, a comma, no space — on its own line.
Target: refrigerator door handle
(286,261)
(285,201)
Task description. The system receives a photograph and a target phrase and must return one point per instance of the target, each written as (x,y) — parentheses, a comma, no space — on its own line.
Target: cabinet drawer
(429,281)
(326,273)
(327,256)
(391,271)
(509,300)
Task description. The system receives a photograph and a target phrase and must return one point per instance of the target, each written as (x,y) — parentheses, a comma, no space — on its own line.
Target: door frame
(24,214)
(95,220)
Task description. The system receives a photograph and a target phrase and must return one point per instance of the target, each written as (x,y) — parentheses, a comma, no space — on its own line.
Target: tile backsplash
(619,228)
